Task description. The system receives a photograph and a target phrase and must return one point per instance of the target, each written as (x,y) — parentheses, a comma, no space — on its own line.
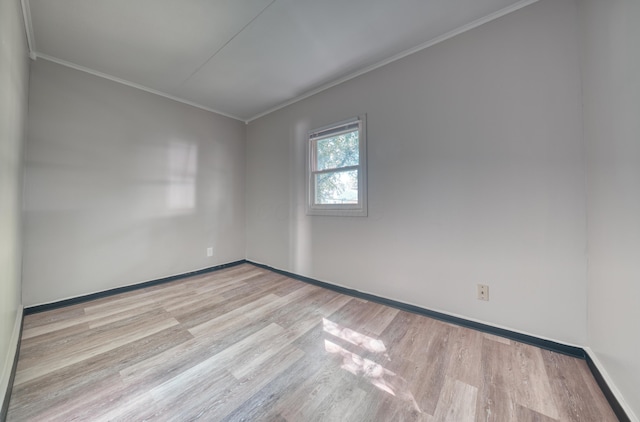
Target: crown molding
(34,55)
(432,42)
(28,27)
(133,85)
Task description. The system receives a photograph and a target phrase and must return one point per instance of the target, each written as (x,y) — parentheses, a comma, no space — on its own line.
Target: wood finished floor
(247,344)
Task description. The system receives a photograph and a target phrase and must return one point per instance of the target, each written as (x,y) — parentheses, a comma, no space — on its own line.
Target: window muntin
(337,169)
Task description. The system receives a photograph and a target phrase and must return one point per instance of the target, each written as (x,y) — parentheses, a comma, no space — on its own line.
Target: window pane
(337,188)
(338,151)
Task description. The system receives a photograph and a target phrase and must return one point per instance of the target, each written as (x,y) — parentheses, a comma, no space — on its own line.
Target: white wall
(14,79)
(123,186)
(476,175)
(611,75)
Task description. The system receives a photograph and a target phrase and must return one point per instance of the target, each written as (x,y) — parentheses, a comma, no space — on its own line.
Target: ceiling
(243,58)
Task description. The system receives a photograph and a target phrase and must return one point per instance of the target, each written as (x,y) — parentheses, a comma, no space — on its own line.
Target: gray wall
(476,175)
(14,79)
(611,75)
(123,186)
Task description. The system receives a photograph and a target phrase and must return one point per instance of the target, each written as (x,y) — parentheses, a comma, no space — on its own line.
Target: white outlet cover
(209,251)
(483,292)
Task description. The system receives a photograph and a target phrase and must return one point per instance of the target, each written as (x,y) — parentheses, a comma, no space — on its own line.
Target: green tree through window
(337,169)
(338,152)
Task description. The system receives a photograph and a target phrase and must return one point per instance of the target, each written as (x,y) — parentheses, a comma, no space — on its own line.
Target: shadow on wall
(300,249)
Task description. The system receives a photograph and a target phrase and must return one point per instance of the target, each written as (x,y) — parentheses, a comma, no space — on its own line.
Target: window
(337,169)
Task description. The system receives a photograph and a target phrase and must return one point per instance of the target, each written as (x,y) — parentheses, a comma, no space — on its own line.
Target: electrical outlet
(483,292)
(209,251)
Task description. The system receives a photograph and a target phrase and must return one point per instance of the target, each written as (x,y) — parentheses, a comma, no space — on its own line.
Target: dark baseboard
(12,377)
(611,398)
(553,346)
(68,302)
(523,338)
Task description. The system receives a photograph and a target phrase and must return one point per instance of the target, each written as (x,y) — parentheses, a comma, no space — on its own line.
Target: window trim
(348,210)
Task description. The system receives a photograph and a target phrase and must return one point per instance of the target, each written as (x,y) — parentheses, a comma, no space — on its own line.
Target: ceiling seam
(34,54)
(226,43)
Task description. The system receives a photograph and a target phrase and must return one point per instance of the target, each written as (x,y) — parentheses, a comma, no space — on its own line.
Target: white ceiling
(243,58)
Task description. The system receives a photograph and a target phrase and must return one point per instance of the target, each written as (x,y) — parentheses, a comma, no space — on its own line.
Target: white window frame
(349,210)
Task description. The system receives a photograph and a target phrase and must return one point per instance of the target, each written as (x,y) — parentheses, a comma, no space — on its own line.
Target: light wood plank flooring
(245,343)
